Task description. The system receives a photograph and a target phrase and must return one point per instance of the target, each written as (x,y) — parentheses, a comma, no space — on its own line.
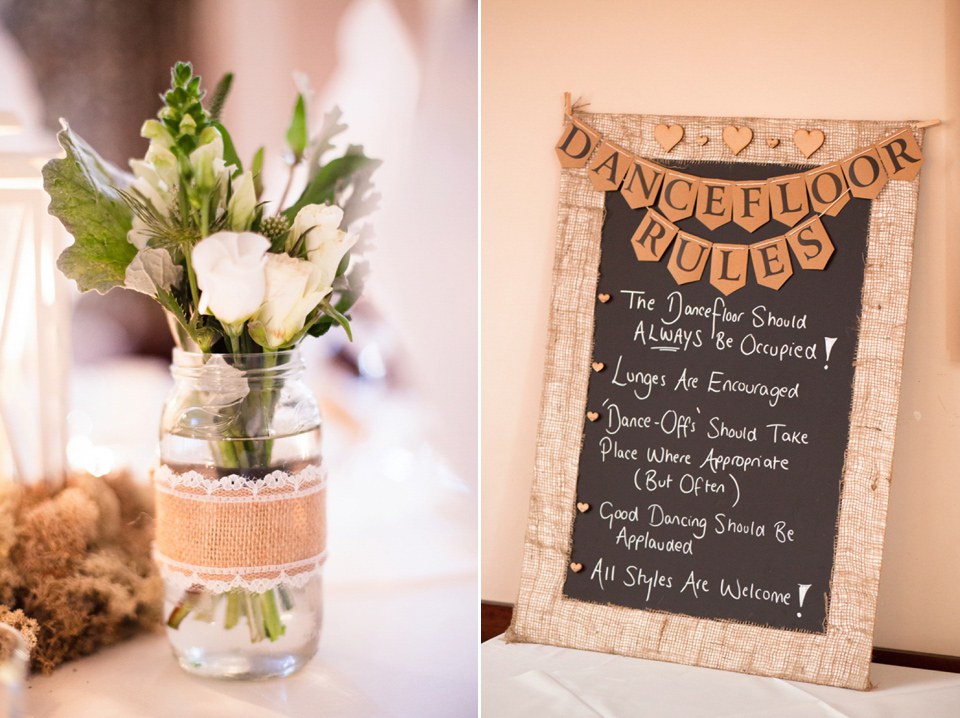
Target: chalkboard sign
(712,469)
(716,432)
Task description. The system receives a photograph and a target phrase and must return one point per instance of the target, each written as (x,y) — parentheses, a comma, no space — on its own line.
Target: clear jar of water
(241,515)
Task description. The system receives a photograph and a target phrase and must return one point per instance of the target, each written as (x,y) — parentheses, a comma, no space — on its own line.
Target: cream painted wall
(867,59)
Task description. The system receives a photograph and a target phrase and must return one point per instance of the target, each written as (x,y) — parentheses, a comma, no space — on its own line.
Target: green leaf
(258,333)
(297,132)
(230,155)
(330,127)
(344,264)
(321,327)
(257,170)
(83,197)
(332,312)
(321,188)
(152,271)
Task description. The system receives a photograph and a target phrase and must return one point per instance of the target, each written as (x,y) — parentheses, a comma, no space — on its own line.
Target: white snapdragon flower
(164,163)
(188,125)
(294,289)
(326,242)
(156,177)
(156,131)
(139,233)
(207,160)
(243,202)
(230,272)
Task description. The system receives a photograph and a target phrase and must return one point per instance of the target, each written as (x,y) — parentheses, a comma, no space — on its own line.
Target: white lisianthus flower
(230,273)
(326,242)
(294,289)
(242,203)
(317,219)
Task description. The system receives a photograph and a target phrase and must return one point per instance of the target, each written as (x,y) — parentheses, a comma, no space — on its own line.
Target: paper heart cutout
(582,507)
(808,141)
(576,567)
(592,415)
(702,140)
(772,142)
(668,137)
(736,138)
(603,298)
(597,366)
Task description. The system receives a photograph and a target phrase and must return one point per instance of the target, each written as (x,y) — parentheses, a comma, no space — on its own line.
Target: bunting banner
(797,201)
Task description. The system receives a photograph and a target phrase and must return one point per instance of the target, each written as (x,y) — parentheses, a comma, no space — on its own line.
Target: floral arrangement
(235,276)
(189,227)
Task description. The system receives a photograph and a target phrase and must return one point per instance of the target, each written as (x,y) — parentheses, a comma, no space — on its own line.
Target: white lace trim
(184,576)
(275,486)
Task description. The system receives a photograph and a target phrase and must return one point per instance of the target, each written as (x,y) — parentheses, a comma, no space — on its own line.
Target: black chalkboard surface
(710,471)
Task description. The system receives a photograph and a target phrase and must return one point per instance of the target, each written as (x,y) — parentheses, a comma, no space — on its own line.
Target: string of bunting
(671,196)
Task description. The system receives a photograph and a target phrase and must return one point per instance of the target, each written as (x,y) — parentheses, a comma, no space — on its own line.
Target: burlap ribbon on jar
(235,532)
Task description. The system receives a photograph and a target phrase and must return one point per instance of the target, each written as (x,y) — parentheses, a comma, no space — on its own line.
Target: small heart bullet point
(603,298)
(583,507)
(576,567)
(592,415)
(597,366)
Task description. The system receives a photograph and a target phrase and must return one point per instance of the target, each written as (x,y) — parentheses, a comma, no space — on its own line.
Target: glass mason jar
(241,525)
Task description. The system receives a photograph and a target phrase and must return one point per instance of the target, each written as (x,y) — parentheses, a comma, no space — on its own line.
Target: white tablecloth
(400,621)
(388,651)
(534,681)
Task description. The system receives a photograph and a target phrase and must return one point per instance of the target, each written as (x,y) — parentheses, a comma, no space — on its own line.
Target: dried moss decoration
(75,567)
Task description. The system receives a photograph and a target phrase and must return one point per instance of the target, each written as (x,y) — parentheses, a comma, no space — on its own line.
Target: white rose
(294,289)
(230,272)
(326,243)
(243,202)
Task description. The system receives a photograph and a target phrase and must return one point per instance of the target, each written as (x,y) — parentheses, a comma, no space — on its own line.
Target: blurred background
(404,74)
(401,401)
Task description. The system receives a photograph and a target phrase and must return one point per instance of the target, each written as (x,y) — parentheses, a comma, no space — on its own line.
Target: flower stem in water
(233,609)
(271,616)
(190,598)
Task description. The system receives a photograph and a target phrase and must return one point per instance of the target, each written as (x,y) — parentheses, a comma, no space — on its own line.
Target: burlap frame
(841,656)
(231,532)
